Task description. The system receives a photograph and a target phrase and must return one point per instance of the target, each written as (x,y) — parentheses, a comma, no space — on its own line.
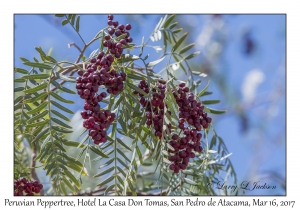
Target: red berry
(110,17)
(128,27)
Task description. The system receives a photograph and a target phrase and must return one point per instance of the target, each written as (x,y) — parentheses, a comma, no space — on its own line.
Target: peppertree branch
(33,163)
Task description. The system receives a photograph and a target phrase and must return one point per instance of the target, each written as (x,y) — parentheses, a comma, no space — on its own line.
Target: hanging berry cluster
(116,48)
(23,186)
(99,72)
(154,109)
(190,113)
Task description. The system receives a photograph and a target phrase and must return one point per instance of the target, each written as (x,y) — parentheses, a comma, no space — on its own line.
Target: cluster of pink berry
(99,72)
(190,112)
(116,48)
(23,186)
(154,109)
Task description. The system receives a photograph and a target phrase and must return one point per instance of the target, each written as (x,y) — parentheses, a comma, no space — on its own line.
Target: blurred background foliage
(243,56)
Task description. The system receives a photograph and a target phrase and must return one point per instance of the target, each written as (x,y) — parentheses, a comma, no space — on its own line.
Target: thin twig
(32,170)
(141,69)
(75,45)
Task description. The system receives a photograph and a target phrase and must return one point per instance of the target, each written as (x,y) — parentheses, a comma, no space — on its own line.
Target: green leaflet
(186,48)
(180,40)
(62,187)
(60,115)
(64,22)
(72,143)
(19,80)
(38,109)
(210,102)
(214,111)
(22,71)
(37,88)
(38,65)
(77,168)
(108,189)
(191,55)
(39,116)
(123,155)
(104,172)
(58,97)
(107,163)
(69,185)
(123,144)
(59,15)
(37,124)
(136,88)
(60,122)
(18,89)
(153,63)
(60,146)
(41,134)
(77,23)
(202,91)
(37,98)
(169,20)
(74,180)
(61,107)
(62,88)
(139,154)
(59,129)
(191,182)
(127,57)
(98,151)
(109,179)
